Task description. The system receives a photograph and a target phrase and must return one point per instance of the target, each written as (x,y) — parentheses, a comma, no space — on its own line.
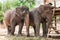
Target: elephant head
(46,10)
(23,10)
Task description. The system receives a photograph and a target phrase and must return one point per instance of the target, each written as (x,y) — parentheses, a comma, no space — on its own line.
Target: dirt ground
(4,36)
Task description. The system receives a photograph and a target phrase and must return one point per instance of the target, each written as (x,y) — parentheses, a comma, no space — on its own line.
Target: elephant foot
(11,34)
(44,35)
(28,35)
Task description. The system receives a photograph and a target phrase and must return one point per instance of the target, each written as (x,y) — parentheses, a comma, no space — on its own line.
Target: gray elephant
(46,17)
(43,14)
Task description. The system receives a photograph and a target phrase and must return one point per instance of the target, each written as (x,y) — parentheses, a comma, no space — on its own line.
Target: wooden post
(54,12)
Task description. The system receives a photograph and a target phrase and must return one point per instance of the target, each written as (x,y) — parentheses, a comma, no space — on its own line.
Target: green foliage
(1,12)
(29,3)
(1,16)
(0,6)
(7,6)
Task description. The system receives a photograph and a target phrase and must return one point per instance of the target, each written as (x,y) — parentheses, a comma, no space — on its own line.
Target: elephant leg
(27,31)
(13,28)
(49,20)
(46,31)
(9,29)
(44,28)
(20,29)
(34,30)
(37,24)
(37,30)
(27,24)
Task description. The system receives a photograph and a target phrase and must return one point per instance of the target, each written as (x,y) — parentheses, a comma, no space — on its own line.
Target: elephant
(42,14)
(46,17)
(35,20)
(17,16)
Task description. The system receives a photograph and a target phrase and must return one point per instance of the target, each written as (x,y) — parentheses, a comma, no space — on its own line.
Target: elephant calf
(42,14)
(16,17)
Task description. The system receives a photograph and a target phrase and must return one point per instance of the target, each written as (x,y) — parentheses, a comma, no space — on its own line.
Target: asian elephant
(17,17)
(46,17)
(35,20)
(42,14)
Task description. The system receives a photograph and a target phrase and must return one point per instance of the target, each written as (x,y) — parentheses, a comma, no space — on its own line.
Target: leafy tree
(1,12)
(29,3)
(7,6)
(1,16)
(0,6)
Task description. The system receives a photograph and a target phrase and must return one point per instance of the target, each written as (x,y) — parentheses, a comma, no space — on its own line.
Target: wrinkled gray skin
(17,17)
(43,14)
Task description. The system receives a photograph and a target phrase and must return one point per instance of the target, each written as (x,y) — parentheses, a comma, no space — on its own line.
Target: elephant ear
(41,8)
(18,9)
